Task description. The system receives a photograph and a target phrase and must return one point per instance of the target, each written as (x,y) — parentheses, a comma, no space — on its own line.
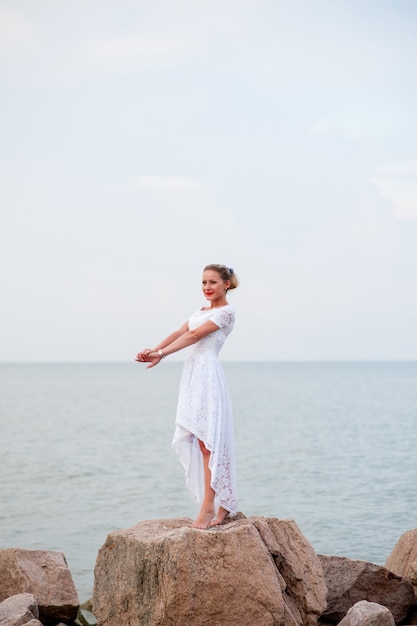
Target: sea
(85,449)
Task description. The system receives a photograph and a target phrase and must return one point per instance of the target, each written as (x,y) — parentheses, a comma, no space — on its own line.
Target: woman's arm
(141,356)
(172,337)
(178,341)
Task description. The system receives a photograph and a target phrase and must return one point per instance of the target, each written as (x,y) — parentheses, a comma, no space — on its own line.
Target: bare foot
(203,519)
(220,518)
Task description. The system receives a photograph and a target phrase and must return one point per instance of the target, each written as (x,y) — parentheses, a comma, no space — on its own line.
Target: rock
(403,558)
(44,574)
(349,581)
(19,610)
(85,618)
(366,613)
(403,562)
(256,571)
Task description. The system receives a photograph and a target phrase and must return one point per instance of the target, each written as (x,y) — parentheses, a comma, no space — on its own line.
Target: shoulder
(224,316)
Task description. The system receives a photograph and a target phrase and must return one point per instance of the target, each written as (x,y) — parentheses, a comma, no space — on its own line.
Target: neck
(216,303)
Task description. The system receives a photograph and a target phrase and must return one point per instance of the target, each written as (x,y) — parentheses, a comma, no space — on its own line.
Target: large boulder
(349,581)
(366,613)
(19,610)
(44,574)
(250,571)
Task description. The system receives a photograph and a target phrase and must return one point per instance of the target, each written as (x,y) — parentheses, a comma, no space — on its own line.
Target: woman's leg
(205,517)
(207,511)
(220,517)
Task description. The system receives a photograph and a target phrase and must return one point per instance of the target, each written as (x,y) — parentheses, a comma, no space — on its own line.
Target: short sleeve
(224,318)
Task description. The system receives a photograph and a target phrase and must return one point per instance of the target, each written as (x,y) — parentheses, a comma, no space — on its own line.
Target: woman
(203,437)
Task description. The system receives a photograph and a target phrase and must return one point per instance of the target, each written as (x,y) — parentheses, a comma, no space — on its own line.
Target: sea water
(85,450)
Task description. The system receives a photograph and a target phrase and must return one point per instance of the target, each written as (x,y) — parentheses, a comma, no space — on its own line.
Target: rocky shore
(254,571)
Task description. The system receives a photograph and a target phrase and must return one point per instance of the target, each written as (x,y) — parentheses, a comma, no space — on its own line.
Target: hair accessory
(231,270)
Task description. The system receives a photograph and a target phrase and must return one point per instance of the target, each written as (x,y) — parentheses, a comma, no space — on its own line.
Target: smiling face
(214,288)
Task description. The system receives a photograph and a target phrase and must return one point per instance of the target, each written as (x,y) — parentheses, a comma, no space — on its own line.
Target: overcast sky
(140,141)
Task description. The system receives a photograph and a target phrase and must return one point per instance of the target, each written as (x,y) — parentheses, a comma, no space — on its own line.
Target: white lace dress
(204,412)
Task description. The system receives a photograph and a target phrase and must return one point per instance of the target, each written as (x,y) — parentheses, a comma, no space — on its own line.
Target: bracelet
(161,354)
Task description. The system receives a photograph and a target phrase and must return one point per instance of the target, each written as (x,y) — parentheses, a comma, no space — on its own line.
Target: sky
(140,141)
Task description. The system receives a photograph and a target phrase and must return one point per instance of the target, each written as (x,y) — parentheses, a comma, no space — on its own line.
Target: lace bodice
(223,317)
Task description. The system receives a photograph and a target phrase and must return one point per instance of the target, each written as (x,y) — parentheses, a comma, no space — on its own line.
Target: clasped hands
(148,356)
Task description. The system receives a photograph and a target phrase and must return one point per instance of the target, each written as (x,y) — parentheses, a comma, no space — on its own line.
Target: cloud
(398,184)
(167,184)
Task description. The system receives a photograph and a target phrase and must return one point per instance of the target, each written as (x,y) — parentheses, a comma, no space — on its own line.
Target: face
(214,287)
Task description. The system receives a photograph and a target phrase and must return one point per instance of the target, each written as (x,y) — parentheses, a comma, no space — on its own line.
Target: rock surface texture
(252,571)
(349,582)
(403,558)
(19,610)
(403,561)
(368,614)
(44,574)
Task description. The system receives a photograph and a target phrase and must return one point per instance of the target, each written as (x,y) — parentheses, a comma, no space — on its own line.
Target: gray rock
(18,610)
(368,614)
(349,581)
(255,571)
(44,574)
(86,618)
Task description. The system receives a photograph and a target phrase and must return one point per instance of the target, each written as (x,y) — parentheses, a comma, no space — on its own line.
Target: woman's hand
(149,356)
(153,358)
(142,357)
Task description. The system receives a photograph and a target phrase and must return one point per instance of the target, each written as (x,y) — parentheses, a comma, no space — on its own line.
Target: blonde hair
(226,273)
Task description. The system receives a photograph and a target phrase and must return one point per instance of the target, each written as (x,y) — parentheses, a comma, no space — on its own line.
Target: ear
(227,285)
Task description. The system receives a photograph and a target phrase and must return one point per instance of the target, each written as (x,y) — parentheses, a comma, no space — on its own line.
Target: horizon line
(179,361)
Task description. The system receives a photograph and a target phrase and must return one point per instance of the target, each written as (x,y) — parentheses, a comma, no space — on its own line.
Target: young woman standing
(203,437)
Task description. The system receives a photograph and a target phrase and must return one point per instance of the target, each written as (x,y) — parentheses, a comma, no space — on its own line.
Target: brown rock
(254,571)
(403,558)
(44,574)
(403,561)
(349,581)
(18,610)
(368,614)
